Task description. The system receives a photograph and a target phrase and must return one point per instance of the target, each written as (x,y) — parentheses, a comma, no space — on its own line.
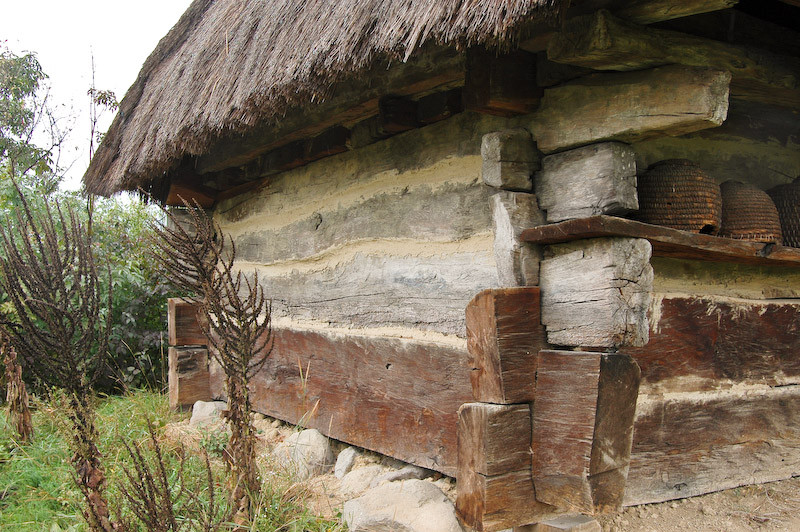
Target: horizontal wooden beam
(666,242)
(504,337)
(649,11)
(395,396)
(503,85)
(630,106)
(604,42)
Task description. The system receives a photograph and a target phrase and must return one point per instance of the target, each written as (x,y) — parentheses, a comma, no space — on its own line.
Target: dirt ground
(773,506)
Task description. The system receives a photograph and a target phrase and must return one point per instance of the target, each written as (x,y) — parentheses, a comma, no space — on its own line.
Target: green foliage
(36,491)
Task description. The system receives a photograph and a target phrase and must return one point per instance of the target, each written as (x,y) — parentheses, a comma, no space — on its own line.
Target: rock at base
(306,453)
(207,412)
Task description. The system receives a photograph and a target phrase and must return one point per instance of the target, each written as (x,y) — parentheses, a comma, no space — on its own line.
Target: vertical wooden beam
(188,376)
(182,326)
(504,336)
(582,429)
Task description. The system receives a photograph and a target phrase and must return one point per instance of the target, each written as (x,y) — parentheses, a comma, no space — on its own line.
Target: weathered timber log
(564,523)
(690,444)
(182,326)
(349,103)
(494,486)
(504,337)
(517,261)
(503,85)
(397,114)
(582,429)
(595,293)
(604,42)
(702,344)
(666,242)
(190,190)
(385,284)
(595,179)
(487,504)
(630,106)
(446,213)
(188,376)
(649,11)
(399,397)
(509,159)
(329,142)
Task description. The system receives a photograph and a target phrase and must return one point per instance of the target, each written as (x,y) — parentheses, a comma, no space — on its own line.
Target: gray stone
(408,472)
(566,523)
(305,453)
(408,506)
(345,461)
(359,480)
(207,412)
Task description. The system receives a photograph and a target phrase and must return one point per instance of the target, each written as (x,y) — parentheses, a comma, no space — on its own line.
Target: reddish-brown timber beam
(666,242)
(504,337)
(582,429)
(503,85)
(395,396)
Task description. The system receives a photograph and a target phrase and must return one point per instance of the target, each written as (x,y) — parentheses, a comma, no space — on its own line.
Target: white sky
(65,33)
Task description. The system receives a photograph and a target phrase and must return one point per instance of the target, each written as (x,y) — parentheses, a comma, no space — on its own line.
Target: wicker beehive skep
(748,213)
(677,193)
(787,201)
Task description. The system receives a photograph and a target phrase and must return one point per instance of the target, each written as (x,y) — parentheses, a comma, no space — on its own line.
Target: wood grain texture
(182,326)
(563,428)
(503,85)
(517,261)
(630,106)
(494,439)
(604,42)
(596,292)
(188,376)
(504,337)
(666,242)
(707,343)
(649,11)
(690,445)
(426,292)
(394,396)
(450,212)
(596,179)
(498,502)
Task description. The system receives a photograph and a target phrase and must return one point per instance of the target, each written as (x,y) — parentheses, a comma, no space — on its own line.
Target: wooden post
(517,261)
(182,326)
(188,376)
(595,179)
(583,429)
(504,336)
(596,292)
(509,158)
(495,490)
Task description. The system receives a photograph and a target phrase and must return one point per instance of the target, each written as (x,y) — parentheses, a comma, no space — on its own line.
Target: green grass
(36,488)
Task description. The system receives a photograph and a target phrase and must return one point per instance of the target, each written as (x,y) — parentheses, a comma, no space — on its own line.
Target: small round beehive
(677,193)
(787,201)
(748,213)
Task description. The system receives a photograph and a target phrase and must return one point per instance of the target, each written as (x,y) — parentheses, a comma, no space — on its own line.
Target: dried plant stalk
(16,393)
(235,316)
(61,325)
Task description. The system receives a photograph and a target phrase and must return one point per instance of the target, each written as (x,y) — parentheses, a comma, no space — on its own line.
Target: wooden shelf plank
(666,242)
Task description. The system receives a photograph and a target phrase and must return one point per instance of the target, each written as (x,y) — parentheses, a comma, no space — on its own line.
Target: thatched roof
(228,65)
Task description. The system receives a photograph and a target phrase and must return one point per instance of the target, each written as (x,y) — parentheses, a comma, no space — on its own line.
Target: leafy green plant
(215,442)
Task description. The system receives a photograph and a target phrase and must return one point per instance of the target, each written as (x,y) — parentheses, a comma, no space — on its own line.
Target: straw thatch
(229,64)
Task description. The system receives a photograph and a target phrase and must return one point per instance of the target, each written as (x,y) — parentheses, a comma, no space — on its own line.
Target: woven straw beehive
(677,193)
(748,213)
(787,201)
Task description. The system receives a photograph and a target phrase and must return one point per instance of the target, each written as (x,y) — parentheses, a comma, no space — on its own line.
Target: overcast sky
(65,33)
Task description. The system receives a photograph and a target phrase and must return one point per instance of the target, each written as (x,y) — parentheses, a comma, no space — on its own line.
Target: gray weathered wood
(509,159)
(649,11)
(188,376)
(630,106)
(451,212)
(374,290)
(595,179)
(596,292)
(504,337)
(517,261)
(604,42)
(564,523)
